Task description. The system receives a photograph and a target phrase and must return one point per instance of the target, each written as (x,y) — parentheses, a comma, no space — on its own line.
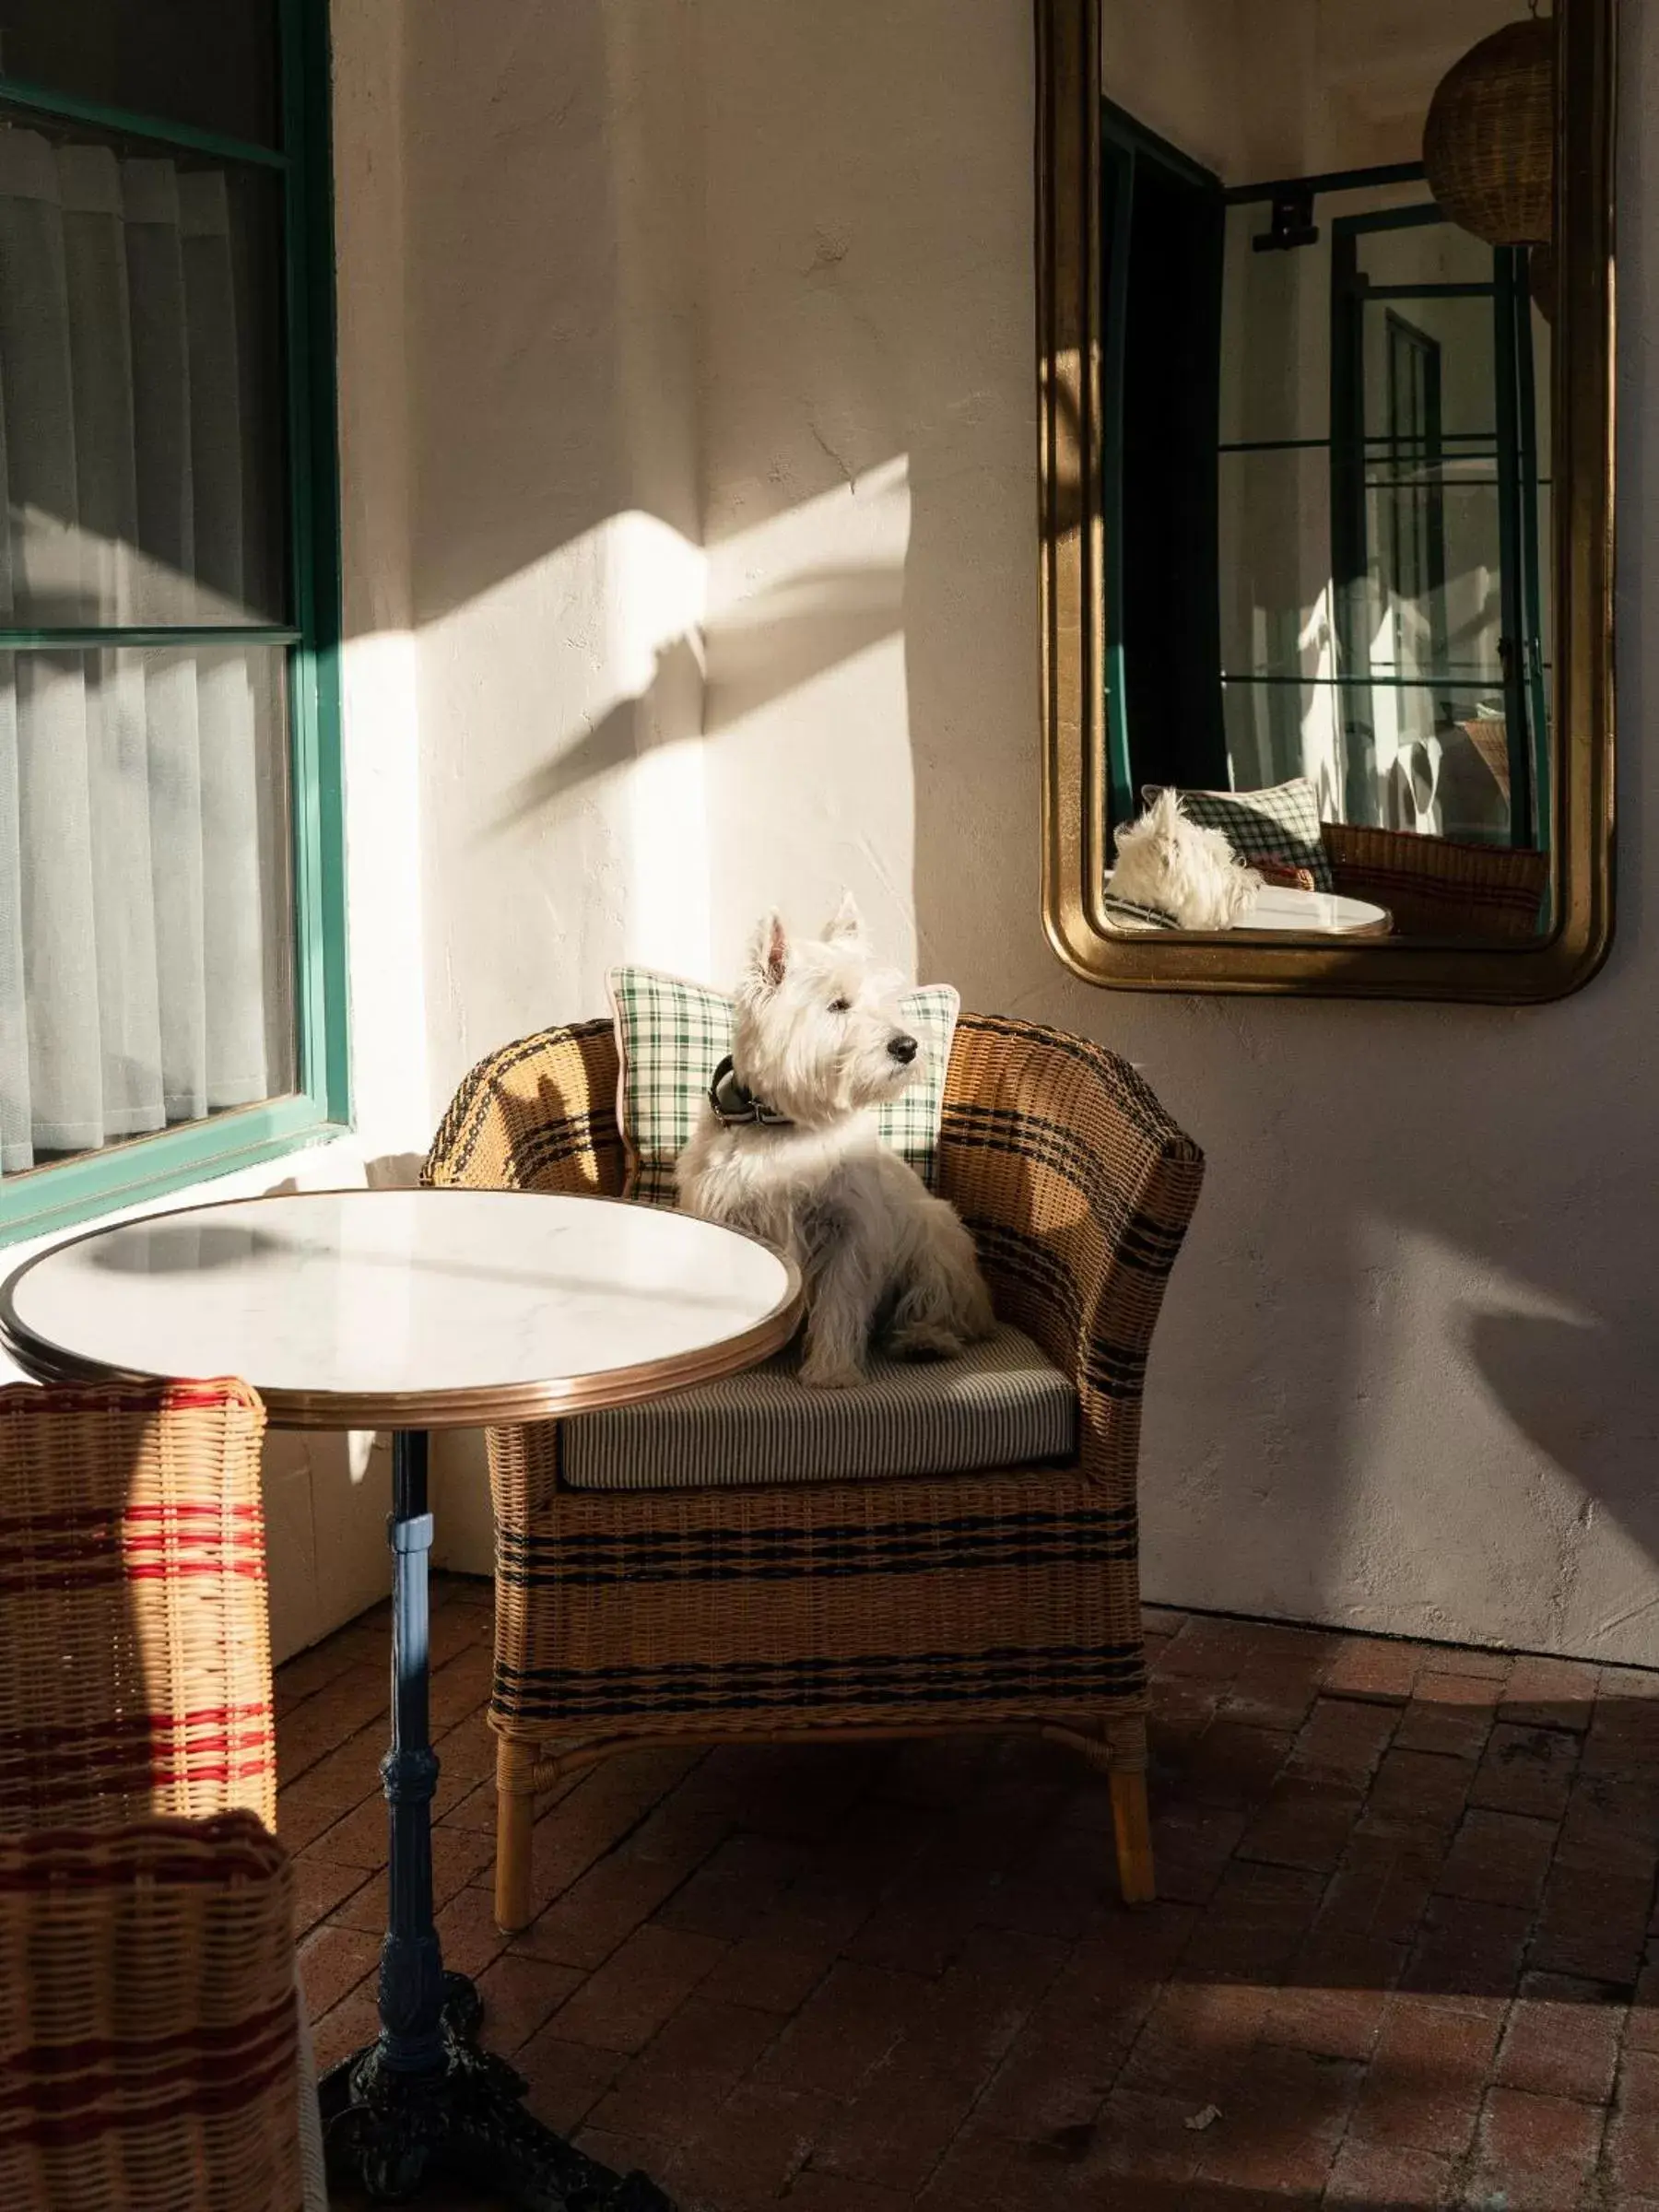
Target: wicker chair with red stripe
(151,2041)
(876,1601)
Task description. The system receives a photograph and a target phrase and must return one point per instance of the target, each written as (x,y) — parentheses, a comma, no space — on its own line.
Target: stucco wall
(1403,1379)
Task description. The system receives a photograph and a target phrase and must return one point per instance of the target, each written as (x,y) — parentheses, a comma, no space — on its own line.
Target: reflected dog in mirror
(1172,871)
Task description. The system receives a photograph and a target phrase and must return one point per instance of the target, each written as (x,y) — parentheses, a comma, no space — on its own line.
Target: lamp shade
(1488,143)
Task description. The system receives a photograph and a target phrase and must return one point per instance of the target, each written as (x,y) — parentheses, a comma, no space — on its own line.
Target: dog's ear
(769,952)
(845,926)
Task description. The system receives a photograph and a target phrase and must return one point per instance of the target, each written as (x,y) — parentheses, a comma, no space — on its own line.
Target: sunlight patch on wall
(378,675)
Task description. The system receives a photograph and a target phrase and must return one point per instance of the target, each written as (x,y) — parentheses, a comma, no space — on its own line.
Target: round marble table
(410,1310)
(1279,907)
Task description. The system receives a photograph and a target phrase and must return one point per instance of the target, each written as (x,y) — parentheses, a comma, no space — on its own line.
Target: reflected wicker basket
(1488,143)
(1436,887)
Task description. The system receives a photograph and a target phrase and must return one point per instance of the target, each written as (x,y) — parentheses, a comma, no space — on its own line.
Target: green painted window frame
(44,1200)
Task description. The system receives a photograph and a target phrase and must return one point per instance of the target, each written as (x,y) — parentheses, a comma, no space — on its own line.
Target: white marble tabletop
(1280,909)
(407,1309)
(1316,914)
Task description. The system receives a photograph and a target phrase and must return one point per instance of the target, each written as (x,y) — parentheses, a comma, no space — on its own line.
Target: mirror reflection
(1326,313)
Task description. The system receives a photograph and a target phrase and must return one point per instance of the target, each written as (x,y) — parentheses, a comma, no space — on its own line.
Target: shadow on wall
(1380,1396)
(1582,1392)
(548,196)
(743,659)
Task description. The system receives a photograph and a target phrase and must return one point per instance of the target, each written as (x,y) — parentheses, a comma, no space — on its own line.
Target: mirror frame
(1073,550)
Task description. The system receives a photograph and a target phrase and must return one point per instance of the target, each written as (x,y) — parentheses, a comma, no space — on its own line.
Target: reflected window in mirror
(1325,511)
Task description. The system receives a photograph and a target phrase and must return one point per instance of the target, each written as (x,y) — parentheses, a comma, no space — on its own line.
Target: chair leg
(1133,1828)
(515,1817)
(1130,1822)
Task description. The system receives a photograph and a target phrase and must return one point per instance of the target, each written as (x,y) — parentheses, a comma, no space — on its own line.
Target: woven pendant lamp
(1488,143)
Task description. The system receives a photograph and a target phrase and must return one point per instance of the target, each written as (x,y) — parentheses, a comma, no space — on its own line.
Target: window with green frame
(172,990)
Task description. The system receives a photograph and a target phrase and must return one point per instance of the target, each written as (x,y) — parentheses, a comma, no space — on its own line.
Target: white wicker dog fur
(786,1147)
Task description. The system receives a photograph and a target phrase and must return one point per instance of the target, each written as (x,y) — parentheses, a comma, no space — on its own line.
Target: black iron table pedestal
(425,2097)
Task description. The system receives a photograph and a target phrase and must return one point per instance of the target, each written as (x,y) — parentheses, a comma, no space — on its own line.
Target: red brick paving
(1408,1945)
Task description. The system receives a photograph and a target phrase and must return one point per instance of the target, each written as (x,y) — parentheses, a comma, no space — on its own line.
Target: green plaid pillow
(1281,823)
(672,1035)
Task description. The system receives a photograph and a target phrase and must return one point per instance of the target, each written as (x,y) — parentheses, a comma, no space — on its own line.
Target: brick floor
(1406,1955)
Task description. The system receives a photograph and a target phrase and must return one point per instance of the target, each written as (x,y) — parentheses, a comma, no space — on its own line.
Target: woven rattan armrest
(1078,1189)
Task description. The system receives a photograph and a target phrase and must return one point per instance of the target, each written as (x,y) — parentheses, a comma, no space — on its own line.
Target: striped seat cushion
(672,1035)
(1001,1404)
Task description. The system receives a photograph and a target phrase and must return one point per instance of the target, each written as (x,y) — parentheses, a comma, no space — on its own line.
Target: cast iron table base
(425,2097)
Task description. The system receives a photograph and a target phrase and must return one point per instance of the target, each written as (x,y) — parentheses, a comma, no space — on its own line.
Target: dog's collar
(736,1107)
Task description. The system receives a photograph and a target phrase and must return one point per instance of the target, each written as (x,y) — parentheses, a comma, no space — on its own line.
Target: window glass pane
(1432,605)
(209,62)
(1439,758)
(1452,338)
(1276,730)
(146,896)
(1423,253)
(141,429)
(1273,512)
(1276,335)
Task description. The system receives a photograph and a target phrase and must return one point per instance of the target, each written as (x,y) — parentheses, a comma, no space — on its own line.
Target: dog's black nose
(902,1049)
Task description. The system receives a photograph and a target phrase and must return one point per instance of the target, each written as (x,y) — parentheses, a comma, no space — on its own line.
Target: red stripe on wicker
(149,2028)
(115,1501)
(148,2020)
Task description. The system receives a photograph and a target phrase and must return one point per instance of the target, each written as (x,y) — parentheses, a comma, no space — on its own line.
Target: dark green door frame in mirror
(1326,509)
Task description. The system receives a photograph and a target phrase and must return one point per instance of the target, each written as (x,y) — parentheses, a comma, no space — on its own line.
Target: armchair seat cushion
(1000,1403)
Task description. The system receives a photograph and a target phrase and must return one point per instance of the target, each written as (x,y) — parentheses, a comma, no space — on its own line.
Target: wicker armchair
(1434,886)
(150,2032)
(899,1607)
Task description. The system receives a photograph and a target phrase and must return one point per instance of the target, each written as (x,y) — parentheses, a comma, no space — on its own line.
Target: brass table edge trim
(463,1408)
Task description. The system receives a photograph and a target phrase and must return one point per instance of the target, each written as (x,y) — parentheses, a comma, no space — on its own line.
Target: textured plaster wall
(723,431)
(554,248)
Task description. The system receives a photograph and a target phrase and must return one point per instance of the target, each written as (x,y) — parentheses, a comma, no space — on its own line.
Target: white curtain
(141,938)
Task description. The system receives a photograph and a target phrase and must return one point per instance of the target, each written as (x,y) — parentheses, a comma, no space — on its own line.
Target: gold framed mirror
(1326,482)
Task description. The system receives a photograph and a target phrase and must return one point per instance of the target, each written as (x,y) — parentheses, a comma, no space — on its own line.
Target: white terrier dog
(787,1148)
(1188,872)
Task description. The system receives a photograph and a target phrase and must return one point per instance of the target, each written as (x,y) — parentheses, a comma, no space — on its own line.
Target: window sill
(130,1177)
